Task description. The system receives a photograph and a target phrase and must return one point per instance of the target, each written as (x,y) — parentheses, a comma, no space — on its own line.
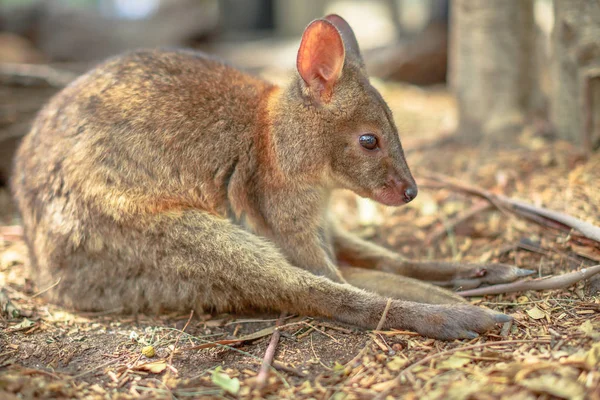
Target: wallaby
(168,180)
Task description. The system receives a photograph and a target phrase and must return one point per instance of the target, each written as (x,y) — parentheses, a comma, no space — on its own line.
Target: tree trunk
(575,99)
(491,68)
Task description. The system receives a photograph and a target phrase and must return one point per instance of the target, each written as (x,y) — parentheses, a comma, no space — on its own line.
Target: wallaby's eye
(368,141)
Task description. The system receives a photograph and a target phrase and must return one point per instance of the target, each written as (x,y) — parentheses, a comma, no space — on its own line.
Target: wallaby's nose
(410,193)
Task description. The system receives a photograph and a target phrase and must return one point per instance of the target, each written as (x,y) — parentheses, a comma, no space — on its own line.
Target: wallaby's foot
(354,251)
(457,321)
(473,275)
(455,275)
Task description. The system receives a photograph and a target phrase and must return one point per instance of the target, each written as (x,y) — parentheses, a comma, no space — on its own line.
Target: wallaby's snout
(404,191)
(396,191)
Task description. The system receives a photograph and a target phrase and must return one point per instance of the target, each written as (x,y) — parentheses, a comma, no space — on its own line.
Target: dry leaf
(536,313)
(555,386)
(587,328)
(592,358)
(396,363)
(155,367)
(454,362)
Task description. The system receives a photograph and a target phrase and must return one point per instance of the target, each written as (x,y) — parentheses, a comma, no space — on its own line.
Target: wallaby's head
(347,121)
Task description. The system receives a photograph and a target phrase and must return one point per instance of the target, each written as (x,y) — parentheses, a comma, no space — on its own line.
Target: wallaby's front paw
(474,275)
(448,322)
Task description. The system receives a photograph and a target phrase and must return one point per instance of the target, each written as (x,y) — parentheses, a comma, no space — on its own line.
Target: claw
(502,318)
(524,272)
(480,272)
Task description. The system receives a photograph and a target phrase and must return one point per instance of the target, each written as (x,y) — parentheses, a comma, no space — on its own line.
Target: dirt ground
(550,350)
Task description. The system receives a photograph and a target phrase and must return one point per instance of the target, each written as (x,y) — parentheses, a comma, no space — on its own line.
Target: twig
(285,368)
(25,73)
(541,215)
(263,373)
(427,359)
(554,282)
(45,290)
(458,219)
(384,315)
(170,360)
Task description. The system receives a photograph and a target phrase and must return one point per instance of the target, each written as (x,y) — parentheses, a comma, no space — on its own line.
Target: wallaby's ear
(321,58)
(350,41)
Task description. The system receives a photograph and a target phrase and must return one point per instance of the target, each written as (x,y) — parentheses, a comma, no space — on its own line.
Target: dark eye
(368,141)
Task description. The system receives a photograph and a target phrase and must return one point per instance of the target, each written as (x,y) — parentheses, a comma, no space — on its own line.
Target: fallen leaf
(588,329)
(592,358)
(536,313)
(454,362)
(24,324)
(396,363)
(155,367)
(222,380)
(555,386)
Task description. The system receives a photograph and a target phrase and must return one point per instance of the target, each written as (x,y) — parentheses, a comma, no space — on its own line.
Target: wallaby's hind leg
(398,287)
(194,260)
(357,252)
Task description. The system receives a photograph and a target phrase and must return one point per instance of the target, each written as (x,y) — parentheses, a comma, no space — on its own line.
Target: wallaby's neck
(288,142)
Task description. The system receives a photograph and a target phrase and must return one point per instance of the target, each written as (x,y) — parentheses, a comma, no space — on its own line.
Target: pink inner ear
(321,57)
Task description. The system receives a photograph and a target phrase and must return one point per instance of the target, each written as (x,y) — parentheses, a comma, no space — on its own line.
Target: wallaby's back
(139,133)
(146,133)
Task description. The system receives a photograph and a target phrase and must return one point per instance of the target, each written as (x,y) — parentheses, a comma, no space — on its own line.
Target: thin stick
(45,290)
(554,282)
(170,360)
(21,73)
(384,315)
(282,367)
(263,373)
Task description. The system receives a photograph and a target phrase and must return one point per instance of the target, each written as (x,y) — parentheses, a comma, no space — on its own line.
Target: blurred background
(495,66)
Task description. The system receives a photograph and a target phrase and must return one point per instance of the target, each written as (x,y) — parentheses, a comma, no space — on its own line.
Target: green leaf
(24,324)
(226,383)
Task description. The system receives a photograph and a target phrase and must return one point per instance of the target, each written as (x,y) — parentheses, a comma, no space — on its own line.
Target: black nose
(410,193)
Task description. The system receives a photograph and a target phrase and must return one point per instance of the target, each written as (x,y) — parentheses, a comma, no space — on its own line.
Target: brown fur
(166,179)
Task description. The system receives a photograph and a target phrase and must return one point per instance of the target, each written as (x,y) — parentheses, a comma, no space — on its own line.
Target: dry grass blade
(170,361)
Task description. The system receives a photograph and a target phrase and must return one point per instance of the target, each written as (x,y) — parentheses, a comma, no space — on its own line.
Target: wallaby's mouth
(395,194)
